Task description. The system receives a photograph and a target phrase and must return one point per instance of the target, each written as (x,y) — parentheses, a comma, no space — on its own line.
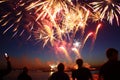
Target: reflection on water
(38,75)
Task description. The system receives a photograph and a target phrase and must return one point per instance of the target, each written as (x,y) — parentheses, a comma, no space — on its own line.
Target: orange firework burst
(51,21)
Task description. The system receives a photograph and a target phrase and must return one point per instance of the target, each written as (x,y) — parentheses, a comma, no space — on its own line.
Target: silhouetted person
(111,69)
(24,75)
(81,73)
(60,74)
(7,70)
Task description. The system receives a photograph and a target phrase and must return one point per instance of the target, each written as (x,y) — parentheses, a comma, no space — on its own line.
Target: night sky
(18,47)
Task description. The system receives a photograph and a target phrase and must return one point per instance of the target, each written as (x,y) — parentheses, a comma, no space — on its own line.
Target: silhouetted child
(111,69)
(81,73)
(7,70)
(24,75)
(60,74)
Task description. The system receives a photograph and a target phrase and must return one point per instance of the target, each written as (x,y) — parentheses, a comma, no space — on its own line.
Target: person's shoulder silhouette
(7,70)
(110,70)
(60,74)
(24,75)
(81,73)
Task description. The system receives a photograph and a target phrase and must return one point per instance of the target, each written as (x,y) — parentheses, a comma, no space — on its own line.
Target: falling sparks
(65,52)
(76,51)
(98,27)
(95,34)
(84,41)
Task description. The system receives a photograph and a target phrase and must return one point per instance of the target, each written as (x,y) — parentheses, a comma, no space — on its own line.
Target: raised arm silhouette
(6,71)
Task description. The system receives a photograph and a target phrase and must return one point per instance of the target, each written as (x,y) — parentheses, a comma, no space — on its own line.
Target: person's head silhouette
(25,69)
(112,54)
(79,62)
(60,67)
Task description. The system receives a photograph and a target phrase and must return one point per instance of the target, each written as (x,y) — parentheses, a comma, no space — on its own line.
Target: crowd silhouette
(110,70)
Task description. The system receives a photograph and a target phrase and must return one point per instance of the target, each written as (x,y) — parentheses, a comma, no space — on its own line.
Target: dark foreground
(38,75)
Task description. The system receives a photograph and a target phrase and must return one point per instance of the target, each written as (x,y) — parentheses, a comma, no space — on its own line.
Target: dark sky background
(19,47)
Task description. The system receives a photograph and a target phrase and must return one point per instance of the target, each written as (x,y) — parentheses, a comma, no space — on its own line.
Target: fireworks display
(56,21)
(108,9)
(14,16)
